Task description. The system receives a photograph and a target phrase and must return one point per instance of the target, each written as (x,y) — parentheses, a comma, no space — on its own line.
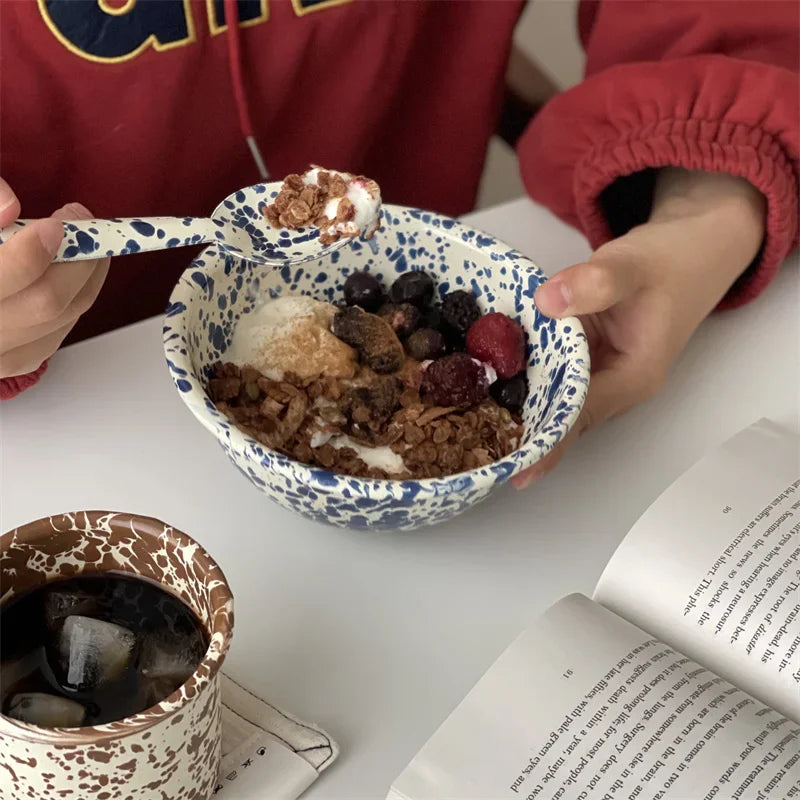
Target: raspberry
(459,311)
(412,287)
(499,341)
(511,393)
(456,380)
(380,399)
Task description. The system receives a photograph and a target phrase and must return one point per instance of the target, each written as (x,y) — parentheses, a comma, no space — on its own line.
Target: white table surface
(378,636)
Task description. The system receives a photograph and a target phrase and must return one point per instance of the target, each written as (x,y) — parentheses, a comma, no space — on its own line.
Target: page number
(727,510)
(567,674)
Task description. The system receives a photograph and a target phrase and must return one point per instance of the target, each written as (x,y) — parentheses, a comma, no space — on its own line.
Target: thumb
(603,281)
(9,204)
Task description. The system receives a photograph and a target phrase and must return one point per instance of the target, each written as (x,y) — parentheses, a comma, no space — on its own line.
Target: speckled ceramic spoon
(236,226)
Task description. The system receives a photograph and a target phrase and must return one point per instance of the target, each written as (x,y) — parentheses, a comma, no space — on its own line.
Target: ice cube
(47,710)
(174,656)
(93,652)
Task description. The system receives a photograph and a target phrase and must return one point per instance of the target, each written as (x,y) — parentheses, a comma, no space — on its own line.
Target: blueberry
(404,318)
(431,318)
(412,287)
(456,342)
(363,290)
(510,393)
(459,311)
(425,344)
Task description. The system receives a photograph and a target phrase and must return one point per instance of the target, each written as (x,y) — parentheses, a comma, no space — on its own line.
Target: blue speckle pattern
(198,329)
(237,226)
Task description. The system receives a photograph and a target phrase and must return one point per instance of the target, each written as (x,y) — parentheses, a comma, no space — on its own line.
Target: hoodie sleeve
(11,387)
(700,84)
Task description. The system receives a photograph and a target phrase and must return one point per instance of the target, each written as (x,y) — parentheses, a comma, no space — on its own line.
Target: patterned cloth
(267,753)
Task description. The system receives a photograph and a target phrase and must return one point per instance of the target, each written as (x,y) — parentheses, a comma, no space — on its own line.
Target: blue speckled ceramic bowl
(215,291)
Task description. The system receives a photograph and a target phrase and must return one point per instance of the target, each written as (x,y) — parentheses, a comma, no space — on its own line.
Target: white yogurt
(290,333)
(382,457)
(367,204)
(282,311)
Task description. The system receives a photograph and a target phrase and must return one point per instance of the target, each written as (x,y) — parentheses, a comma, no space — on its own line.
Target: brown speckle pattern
(169,751)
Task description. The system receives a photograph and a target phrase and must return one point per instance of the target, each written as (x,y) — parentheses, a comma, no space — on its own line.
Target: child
(685,128)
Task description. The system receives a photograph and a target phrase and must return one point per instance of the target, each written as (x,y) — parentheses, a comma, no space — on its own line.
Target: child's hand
(40,302)
(641,296)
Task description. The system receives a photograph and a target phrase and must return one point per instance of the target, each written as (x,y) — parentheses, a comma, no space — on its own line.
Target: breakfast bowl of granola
(392,384)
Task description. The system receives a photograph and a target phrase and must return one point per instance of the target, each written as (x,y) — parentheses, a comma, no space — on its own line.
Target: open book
(679,680)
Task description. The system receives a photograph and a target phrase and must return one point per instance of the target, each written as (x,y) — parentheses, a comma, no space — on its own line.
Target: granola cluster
(333,422)
(300,203)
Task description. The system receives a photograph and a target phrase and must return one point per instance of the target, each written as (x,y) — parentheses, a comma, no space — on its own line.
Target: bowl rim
(319,478)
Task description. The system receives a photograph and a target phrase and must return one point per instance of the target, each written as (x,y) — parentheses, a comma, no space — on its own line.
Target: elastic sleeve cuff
(11,387)
(707,113)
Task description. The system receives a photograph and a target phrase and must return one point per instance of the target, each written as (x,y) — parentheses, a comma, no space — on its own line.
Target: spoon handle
(86,239)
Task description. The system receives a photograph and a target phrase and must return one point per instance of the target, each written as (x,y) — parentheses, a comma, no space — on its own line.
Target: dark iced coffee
(94,649)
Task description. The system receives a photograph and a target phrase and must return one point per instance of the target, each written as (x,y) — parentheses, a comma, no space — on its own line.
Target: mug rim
(219,628)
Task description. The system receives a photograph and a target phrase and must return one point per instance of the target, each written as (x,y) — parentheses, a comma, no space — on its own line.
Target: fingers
(9,205)
(25,257)
(41,301)
(29,357)
(529,476)
(589,288)
(72,211)
(80,304)
(47,298)
(611,392)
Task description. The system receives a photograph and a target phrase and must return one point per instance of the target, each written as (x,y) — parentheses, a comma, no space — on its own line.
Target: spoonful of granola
(300,219)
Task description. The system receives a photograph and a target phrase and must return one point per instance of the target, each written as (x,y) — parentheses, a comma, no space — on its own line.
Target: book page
(585,706)
(713,567)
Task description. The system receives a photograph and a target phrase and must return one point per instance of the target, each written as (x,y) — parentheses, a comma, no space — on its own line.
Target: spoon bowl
(237,226)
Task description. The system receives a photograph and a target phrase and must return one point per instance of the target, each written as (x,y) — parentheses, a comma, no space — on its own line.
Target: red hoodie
(138,108)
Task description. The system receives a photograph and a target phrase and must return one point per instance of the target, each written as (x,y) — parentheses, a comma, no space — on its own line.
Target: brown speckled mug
(168,752)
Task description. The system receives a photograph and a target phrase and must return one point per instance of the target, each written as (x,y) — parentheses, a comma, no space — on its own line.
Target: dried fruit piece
(456,380)
(459,311)
(380,399)
(511,393)
(363,290)
(498,340)
(403,318)
(377,344)
(426,344)
(412,287)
